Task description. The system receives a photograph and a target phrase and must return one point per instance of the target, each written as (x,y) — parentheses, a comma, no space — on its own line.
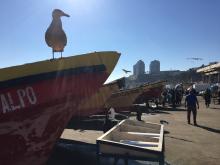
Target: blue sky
(165,30)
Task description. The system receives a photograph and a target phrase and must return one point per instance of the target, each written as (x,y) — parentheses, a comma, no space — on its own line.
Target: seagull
(55,37)
(194,58)
(126,71)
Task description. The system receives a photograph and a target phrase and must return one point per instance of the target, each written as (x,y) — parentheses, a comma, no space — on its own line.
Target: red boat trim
(51,75)
(28,95)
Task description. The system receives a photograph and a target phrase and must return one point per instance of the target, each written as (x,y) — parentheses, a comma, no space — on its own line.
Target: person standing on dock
(139,112)
(110,120)
(191,102)
(207,97)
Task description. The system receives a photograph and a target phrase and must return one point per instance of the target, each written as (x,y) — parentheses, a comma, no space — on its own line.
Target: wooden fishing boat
(152,92)
(124,100)
(96,103)
(133,139)
(38,100)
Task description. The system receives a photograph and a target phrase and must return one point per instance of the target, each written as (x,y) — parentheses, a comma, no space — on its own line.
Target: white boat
(133,140)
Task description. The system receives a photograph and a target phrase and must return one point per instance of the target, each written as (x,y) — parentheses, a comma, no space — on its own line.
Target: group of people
(172,96)
(175,95)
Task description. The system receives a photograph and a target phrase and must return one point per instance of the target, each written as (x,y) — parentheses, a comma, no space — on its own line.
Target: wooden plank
(141,133)
(131,128)
(142,124)
(140,143)
(115,150)
(117,136)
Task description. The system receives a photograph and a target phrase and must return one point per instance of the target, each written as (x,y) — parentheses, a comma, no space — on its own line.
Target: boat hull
(151,92)
(125,100)
(36,108)
(96,103)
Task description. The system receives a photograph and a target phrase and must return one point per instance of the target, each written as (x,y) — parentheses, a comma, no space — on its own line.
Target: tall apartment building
(154,67)
(139,68)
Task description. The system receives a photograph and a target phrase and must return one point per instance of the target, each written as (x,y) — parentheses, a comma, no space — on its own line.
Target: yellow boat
(96,103)
(38,99)
(124,100)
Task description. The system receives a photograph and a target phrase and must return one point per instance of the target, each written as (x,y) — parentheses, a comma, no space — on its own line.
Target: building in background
(139,68)
(154,67)
(189,76)
(210,73)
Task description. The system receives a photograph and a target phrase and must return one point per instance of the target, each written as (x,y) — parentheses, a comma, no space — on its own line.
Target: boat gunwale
(141,88)
(56,65)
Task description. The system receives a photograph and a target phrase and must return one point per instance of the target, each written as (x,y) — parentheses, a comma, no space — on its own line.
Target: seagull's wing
(64,38)
(48,38)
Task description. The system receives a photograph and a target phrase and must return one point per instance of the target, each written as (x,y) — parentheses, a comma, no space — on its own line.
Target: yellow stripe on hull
(123,99)
(108,58)
(96,102)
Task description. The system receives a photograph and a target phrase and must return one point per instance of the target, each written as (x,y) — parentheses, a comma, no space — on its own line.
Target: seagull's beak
(64,14)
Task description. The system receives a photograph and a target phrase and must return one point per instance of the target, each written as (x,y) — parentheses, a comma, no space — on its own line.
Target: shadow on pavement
(179,139)
(209,129)
(214,108)
(88,124)
(172,109)
(158,112)
(70,152)
(95,122)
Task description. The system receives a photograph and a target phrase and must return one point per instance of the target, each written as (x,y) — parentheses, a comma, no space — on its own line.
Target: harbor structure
(210,73)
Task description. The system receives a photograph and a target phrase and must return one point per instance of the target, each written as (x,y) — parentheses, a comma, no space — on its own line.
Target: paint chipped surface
(27,135)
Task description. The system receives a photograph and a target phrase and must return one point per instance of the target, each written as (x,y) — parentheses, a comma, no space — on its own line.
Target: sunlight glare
(82,5)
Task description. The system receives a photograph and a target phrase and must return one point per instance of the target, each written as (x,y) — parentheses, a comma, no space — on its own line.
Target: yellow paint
(126,98)
(98,100)
(108,58)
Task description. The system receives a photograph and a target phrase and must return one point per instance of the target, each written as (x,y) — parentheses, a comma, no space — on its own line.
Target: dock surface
(185,144)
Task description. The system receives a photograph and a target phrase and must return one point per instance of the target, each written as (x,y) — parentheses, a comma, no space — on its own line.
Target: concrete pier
(184,144)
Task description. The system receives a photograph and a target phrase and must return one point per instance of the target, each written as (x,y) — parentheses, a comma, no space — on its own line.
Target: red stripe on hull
(153,93)
(27,135)
(29,95)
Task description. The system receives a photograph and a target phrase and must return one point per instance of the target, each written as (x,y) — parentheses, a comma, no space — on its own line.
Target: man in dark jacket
(207,97)
(191,102)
